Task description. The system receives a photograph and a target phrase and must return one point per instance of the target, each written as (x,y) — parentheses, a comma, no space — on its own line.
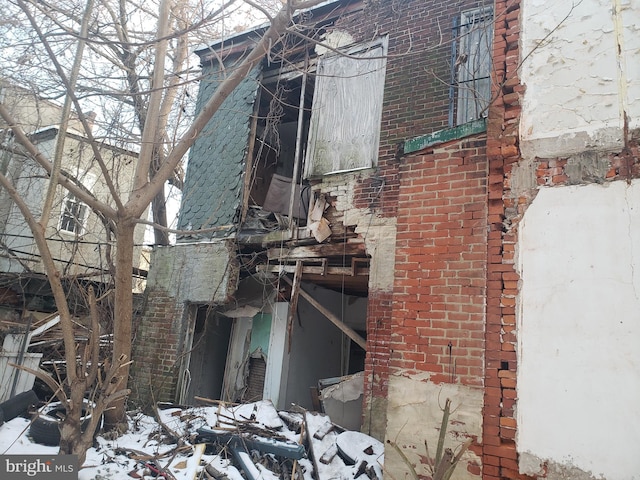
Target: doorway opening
(210,336)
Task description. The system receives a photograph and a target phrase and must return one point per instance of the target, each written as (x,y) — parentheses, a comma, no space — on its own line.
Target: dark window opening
(280,143)
(357,355)
(316,117)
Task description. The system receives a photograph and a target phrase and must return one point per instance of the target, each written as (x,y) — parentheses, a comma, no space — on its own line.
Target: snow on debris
(227,442)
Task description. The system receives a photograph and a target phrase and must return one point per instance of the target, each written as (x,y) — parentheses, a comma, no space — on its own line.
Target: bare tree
(152,97)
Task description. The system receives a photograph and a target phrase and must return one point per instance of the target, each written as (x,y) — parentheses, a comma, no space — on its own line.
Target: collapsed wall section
(183,274)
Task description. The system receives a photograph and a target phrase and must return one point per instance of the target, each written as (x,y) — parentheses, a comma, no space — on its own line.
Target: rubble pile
(248,441)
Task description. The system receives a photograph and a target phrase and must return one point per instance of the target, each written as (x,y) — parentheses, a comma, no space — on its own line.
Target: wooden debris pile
(254,441)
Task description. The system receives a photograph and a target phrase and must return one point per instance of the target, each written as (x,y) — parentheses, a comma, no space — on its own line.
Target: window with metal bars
(470,92)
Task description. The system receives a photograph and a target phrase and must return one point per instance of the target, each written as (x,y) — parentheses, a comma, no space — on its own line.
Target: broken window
(74,212)
(325,109)
(471,66)
(281,133)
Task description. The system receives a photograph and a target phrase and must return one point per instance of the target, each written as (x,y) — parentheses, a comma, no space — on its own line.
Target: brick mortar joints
(502,152)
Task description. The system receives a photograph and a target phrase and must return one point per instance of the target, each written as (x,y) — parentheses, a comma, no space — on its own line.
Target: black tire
(1,416)
(45,426)
(45,429)
(18,405)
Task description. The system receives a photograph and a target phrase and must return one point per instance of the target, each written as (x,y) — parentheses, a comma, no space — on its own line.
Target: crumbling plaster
(415,401)
(551,470)
(380,241)
(579,331)
(196,273)
(379,232)
(581,74)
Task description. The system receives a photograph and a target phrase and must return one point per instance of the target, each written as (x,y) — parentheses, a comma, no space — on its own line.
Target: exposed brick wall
(499,426)
(376,371)
(623,165)
(154,372)
(416,102)
(378,333)
(438,307)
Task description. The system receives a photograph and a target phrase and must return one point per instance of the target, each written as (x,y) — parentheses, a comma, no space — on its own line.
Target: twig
(173,436)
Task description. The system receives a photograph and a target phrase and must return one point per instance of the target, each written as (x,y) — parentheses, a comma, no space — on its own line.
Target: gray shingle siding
(212,194)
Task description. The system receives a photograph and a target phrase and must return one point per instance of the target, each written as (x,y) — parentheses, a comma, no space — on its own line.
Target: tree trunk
(71,438)
(123,317)
(159,206)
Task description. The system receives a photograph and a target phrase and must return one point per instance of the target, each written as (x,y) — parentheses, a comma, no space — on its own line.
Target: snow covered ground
(147,447)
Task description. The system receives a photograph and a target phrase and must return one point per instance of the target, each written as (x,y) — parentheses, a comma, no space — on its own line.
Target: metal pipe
(296,158)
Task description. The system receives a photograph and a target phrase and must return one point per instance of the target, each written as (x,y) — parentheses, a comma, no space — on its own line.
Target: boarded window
(345,121)
(473,64)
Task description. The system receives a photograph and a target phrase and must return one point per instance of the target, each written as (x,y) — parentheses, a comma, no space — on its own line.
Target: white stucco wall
(579,88)
(579,332)
(414,417)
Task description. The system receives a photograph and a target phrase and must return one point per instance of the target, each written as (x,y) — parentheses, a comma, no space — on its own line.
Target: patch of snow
(145,442)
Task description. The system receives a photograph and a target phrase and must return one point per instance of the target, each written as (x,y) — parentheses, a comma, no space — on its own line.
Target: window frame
(317,125)
(465,105)
(69,216)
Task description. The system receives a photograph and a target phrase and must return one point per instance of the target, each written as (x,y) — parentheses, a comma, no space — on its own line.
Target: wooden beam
(317,251)
(293,302)
(346,329)
(314,270)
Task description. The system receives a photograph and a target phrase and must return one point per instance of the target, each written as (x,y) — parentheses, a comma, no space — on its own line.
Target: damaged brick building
(378,196)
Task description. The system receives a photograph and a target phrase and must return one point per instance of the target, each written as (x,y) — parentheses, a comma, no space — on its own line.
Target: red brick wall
(154,371)
(439,293)
(416,102)
(499,427)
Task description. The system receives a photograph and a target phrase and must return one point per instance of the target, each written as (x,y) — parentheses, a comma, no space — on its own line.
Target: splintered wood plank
(317,251)
(293,302)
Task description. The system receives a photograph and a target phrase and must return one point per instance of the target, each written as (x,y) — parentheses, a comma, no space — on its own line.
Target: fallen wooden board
(327,466)
(327,457)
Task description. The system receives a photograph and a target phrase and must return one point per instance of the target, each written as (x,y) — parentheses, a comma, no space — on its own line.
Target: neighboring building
(570,224)
(78,238)
(448,220)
